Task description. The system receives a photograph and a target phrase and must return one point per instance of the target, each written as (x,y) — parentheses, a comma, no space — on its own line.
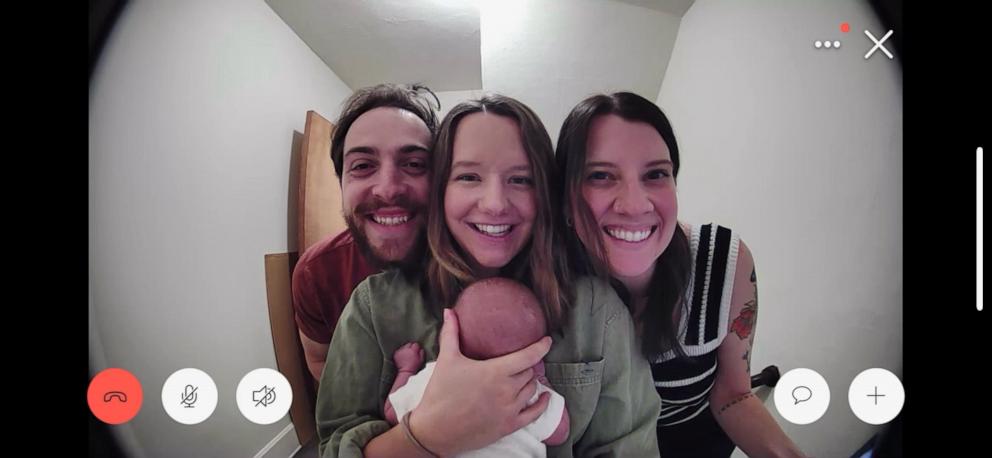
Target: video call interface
(498,228)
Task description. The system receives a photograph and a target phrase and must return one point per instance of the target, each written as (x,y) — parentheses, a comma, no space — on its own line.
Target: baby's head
(497,316)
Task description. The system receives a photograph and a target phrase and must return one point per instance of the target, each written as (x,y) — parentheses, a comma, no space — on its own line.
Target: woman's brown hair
(541,264)
(669,282)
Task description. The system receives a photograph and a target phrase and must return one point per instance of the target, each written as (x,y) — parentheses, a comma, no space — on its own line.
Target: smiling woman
(620,159)
(638,227)
(489,205)
(493,170)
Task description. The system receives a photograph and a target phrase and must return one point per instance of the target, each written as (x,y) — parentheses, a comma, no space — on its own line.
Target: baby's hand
(409,357)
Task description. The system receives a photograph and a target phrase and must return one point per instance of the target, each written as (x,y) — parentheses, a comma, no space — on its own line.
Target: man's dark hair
(411,98)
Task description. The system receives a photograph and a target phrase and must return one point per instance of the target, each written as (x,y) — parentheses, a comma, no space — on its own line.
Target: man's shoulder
(337,256)
(330,247)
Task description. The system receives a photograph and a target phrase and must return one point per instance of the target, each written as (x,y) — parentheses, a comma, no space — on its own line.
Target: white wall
(193,110)
(552,54)
(449,99)
(368,42)
(800,150)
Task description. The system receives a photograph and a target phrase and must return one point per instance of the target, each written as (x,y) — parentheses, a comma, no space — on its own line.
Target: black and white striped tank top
(684,384)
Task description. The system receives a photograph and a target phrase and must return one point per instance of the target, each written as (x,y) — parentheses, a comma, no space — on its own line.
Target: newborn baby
(496,316)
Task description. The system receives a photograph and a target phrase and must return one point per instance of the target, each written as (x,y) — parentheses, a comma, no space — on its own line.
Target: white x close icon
(878,44)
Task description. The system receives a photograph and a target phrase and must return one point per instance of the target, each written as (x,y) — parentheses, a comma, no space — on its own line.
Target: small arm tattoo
(735,401)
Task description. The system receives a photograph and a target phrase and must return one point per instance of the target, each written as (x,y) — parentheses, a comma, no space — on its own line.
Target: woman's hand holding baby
(469,404)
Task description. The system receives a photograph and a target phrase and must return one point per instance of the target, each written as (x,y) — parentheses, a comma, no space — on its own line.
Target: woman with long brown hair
(493,212)
(691,290)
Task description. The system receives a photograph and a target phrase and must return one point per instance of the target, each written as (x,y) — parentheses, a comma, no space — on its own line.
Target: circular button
(802,396)
(876,396)
(264,396)
(114,396)
(189,396)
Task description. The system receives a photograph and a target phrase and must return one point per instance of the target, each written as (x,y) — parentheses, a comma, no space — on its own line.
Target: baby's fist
(409,357)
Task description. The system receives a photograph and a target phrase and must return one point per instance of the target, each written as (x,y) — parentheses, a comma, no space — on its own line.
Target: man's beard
(357,220)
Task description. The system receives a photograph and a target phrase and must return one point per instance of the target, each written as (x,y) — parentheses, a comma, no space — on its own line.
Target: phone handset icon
(121,396)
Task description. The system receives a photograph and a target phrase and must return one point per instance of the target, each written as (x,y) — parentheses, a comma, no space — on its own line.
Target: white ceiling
(435,42)
(676,7)
(367,42)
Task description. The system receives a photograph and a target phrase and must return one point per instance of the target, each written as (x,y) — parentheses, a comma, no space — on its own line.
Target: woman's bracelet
(409,435)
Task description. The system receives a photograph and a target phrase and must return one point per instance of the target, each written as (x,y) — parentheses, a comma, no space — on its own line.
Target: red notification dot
(845,27)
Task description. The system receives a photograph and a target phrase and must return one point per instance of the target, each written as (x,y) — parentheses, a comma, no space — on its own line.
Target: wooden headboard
(318,216)
(320,191)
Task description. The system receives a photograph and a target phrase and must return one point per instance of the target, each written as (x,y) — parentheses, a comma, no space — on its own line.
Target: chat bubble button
(802,396)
